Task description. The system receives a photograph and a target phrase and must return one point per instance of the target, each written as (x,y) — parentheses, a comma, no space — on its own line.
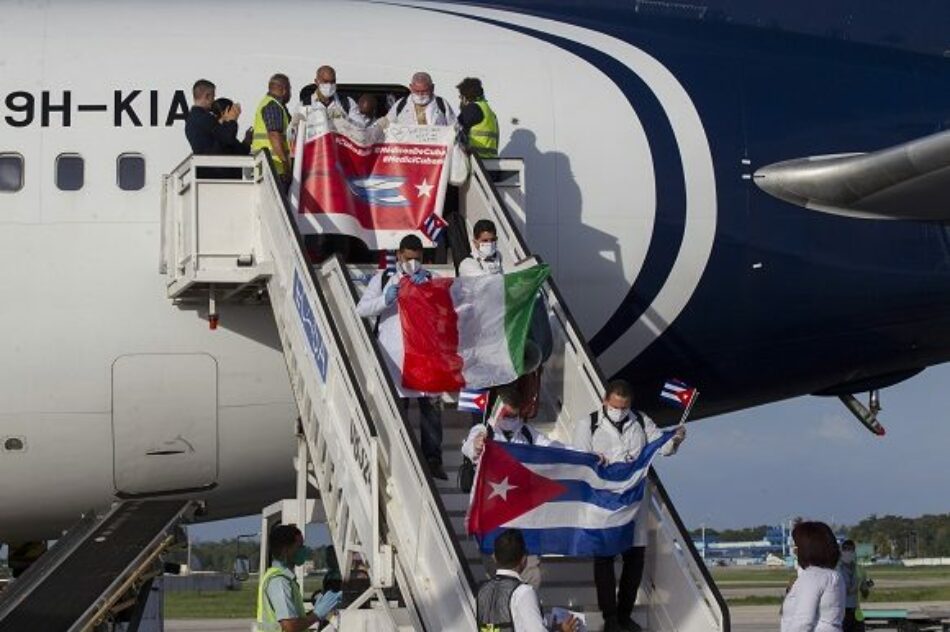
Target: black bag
(466,475)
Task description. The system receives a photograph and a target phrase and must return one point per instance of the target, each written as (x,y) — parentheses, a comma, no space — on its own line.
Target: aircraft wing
(909,181)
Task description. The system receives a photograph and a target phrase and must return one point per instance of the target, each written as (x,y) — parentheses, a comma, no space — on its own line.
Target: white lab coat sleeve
(653,433)
(468,447)
(538,438)
(470,268)
(373,302)
(392,116)
(526,611)
(583,439)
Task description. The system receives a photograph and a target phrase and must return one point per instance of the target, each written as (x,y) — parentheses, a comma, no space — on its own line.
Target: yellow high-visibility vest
(483,138)
(261,140)
(266,617)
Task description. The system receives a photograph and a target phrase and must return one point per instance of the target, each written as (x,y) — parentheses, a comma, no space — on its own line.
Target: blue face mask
(301,556)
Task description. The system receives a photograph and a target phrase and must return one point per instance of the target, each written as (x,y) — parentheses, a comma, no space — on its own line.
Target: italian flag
(466,332)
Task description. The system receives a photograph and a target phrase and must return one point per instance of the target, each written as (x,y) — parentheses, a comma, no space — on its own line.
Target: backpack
(466,475)
(403,101)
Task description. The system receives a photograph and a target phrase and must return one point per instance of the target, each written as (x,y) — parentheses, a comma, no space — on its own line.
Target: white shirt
(618,445)
(434,115)
(474,266)
(373,304)
(525,608)
(815,603)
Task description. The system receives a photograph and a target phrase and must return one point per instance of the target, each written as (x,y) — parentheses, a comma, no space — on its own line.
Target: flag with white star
(375,184)
(562,501)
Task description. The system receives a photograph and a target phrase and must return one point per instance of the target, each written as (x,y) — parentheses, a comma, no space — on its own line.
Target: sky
(803,457)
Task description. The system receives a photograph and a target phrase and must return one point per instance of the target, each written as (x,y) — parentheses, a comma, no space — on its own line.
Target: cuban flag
(387,260)
(473,400)
(678,393)
(433,226)
(561,500)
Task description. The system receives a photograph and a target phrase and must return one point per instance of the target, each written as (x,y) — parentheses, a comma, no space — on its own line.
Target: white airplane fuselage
(92,347)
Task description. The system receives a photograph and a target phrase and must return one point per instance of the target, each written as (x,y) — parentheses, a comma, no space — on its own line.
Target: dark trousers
(850,624)
(611,601)
(430,426)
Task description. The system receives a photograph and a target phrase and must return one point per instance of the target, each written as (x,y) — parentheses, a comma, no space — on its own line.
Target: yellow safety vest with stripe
(483,138)
(261,140)
(266,617)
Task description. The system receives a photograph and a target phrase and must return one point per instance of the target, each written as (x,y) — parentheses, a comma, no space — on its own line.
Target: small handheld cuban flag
(679,394)
(433,226)
(387,260)
(473,400)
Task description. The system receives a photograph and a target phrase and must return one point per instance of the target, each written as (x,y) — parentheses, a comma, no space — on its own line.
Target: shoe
(629,625)
(612,625)
(435,468)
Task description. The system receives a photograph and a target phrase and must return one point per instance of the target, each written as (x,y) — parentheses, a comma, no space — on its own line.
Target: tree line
(893,536)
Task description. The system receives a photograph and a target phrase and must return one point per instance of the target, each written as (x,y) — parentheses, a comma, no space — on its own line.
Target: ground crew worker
(618,433)
(477,119)
(323,91)
(505,602)
(856,584)
(280,606)
(422,106)
(485,258)
(270,127)
(379,301)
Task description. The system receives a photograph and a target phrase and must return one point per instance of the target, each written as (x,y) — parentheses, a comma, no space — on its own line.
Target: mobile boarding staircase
(237,240)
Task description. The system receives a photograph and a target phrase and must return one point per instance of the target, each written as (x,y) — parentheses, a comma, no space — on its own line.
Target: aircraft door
(164,423)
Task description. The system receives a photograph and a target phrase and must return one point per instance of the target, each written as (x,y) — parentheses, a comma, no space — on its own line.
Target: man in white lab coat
(618,433)
(422,106)
(379,301)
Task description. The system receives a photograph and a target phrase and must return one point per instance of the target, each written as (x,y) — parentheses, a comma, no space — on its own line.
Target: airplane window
(130,172)
(11,173)
(70,172)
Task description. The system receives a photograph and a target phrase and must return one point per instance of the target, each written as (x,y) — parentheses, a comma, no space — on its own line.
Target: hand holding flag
(680,395)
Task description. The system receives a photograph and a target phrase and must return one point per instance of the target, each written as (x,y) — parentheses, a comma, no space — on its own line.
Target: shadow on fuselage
(587,261)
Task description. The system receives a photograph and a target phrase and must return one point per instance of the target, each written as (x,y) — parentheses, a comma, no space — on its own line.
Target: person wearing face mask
(507,425)
(617,433)
(477,120)
(271,121)
(379,302)
(485,258)
(422,106)
(815,602)
(323,92)
(280,605)
(856,586)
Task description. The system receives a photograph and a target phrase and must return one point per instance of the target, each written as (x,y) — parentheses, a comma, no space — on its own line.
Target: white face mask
(487,248)
(411,266)
(617,415)
(508,422)
(327,89)
(847,557)
(421,99)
